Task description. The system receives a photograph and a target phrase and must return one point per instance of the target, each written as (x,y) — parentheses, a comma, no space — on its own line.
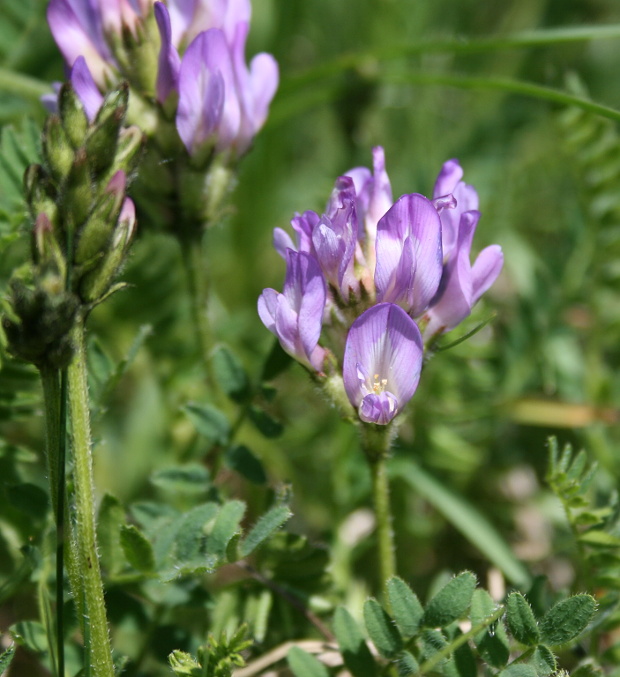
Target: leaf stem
(376,441)
(22,85)
(96,624)
(434,660)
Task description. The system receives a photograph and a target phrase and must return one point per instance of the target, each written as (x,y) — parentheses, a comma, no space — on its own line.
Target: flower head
(222,103)
(373,297)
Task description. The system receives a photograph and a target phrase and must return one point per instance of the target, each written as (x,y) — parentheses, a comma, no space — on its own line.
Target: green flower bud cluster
(83,224)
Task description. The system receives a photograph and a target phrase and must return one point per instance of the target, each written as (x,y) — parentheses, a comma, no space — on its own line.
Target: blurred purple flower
(222,102)
(382,362)
(296,315)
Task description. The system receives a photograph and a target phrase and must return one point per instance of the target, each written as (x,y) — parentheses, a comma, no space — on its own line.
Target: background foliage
(474,444)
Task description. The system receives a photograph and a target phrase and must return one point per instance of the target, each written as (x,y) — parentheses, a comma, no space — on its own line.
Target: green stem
(198,284)
(54,396)
(434,660)
(100,653)
(376,444)
(22,85)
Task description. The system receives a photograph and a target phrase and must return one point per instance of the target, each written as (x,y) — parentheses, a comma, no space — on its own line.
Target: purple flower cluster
(221,102)
(395,275)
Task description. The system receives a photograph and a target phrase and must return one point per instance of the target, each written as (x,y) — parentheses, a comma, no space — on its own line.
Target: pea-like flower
(462,283)
(222,103)
(387,270)
(382,362)
(296,315)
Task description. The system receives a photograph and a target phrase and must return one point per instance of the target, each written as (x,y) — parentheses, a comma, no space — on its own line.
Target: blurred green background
(547,176)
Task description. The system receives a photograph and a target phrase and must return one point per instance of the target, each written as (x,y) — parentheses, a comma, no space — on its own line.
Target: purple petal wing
(486,269)
(85,88)
(169,61)
(76,27)
(449,176)
(201,92)
(412,217)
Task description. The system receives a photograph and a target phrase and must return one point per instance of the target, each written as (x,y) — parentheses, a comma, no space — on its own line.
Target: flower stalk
(100,653)
(376,441)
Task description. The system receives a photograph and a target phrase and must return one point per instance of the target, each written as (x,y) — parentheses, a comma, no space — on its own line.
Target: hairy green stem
(54,396)
(449,649)
(198,284)
(376,444)
(96,624)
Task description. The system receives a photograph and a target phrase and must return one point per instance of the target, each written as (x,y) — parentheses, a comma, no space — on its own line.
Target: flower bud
(94,237)
(72,115)
(40,193)
(129,149)
(78,197)
(103,137)
(46,250)
(96,284)
(57,150)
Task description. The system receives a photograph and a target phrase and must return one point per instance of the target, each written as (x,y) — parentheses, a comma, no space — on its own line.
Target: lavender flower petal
(382,362)
(296,315)
(169,61)
(201,90)
(85,88)
(77,29)
(462,285)
(409,254)
(255,87)
(449,183)
(486,270)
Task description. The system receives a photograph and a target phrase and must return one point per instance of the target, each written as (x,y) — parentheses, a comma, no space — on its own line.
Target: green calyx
(39,331)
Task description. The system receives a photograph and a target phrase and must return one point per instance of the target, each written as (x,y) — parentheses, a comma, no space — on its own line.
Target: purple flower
(222,102)
(461,284)
(409,254)
(449,184)
(296,315)
(374,198)
(78,29)
(382,362)
(191,17)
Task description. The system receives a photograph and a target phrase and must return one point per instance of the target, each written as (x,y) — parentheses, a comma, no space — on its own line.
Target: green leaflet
(381,629)
(304,664)
(355,652)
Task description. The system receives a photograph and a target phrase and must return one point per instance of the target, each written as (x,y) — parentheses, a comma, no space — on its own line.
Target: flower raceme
(190,50)
(370,282)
